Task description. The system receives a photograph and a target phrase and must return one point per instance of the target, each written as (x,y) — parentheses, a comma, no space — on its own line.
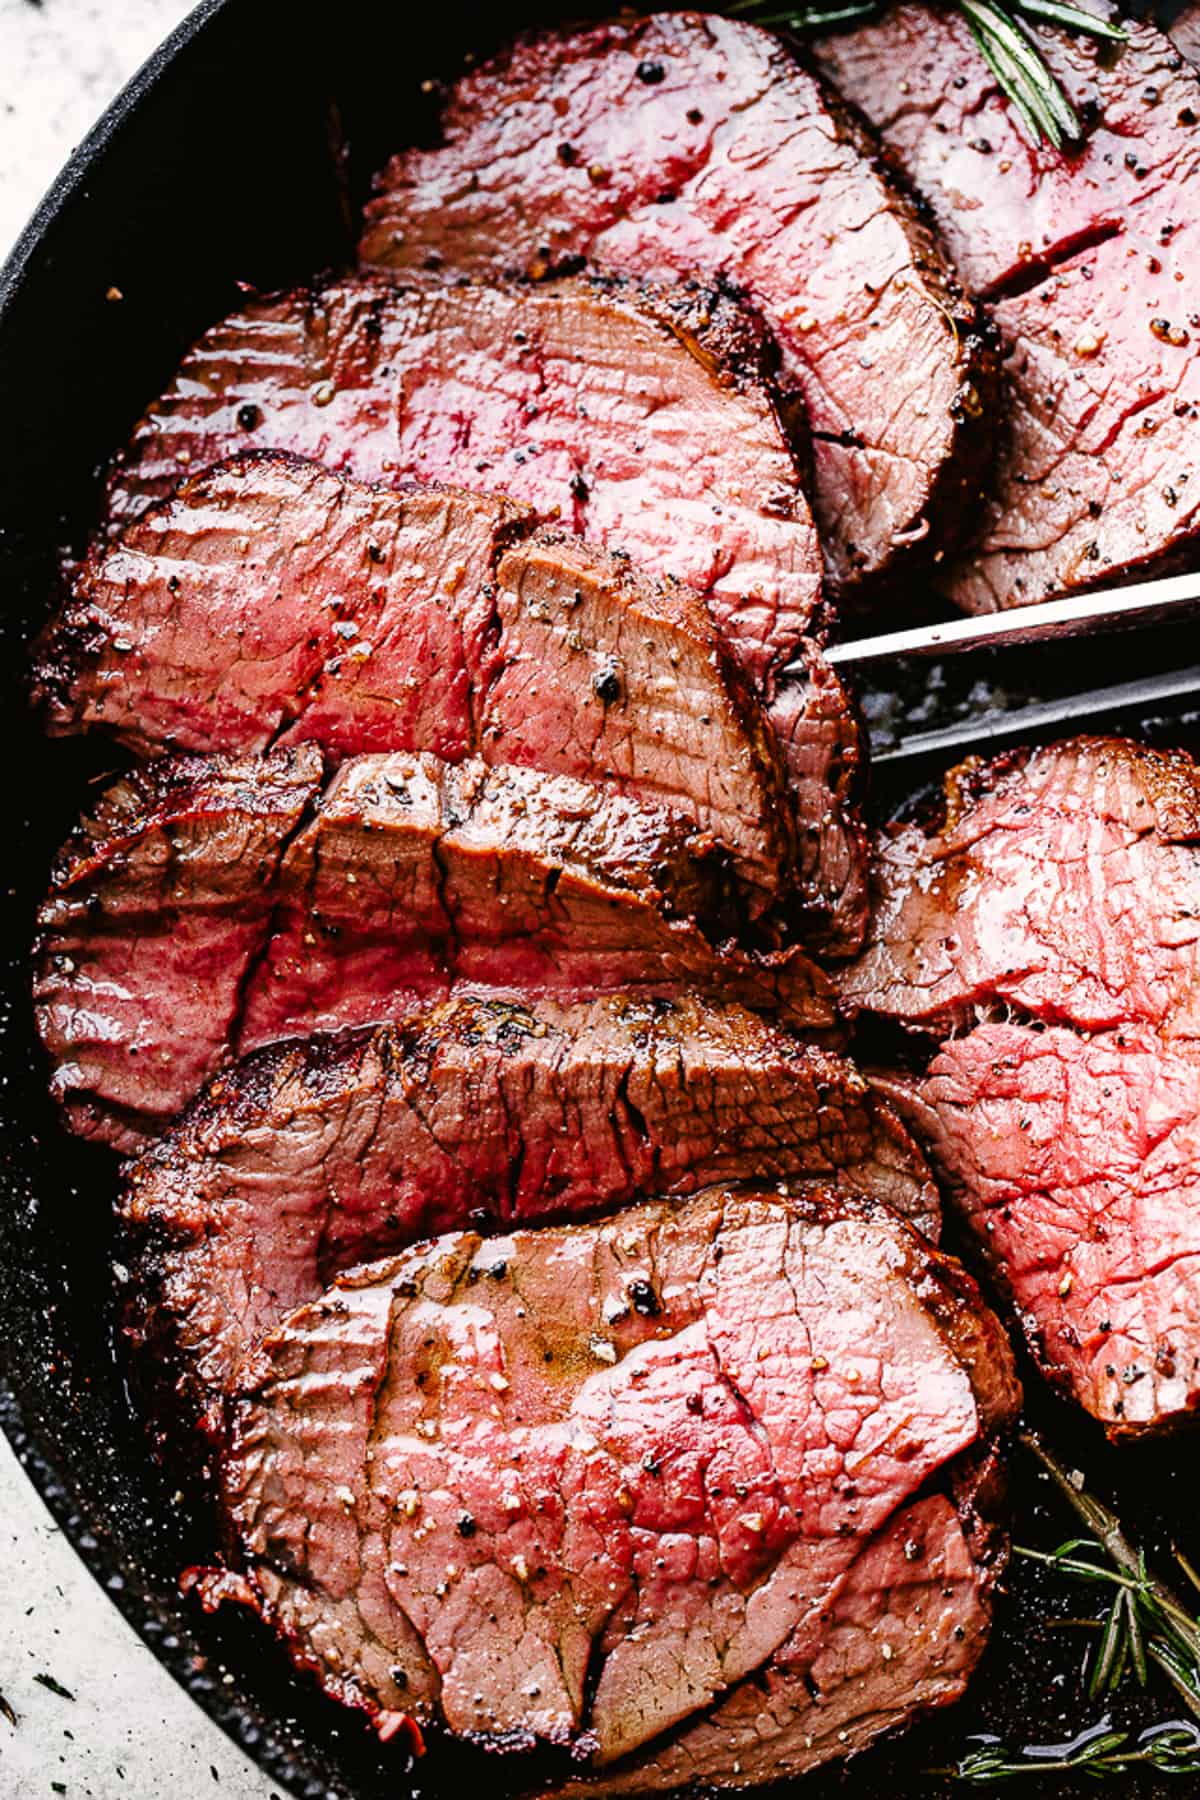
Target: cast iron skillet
(239,153)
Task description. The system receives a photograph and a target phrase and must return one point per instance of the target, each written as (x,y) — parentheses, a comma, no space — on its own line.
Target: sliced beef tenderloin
(270,600)
(1086,257)
(688,145)
(1076,1161)
(311,1156)
(643,418)
(1063,882)
(1056,909)
(903,1635)
(415,874)
(575,1484)
(185,929)
(158,905)
(816,719)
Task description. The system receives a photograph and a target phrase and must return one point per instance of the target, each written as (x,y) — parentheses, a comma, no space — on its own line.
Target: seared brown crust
(977,409)
(175,871)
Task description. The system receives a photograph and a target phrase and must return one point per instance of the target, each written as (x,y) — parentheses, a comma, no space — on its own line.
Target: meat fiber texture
(1049,935)
(644,419)
(213,905)
(1087,257)
(158,905)
(686,145)
(641,419)
(315,1155)
(902,1636)
(575,1485)
(271,602)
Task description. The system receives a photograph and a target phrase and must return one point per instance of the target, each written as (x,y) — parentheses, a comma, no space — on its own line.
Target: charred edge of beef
(479,1110)
(248,909)
(818,721)
(977,409)
(123,893)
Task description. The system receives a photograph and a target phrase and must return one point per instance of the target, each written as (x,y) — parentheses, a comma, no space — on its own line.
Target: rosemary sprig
(1146,1623)
(1145,1626)
(1005,45)
(1018,66)
(1169,1749)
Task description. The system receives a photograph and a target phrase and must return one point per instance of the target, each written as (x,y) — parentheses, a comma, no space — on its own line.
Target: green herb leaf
(1021,71)
(1146,1623)
(1169,1749)
(55,1687)
(1074,18)
(1105,1674)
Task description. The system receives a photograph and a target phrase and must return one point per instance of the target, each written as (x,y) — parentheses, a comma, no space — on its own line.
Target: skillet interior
(239,154)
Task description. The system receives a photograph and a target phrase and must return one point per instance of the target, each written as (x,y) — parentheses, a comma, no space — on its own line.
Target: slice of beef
(1087,259)
(312,1156)
(688,145)
(576,1483)
(158,905)
(172,937)
(1062,882)
(1076,1160)
(643,418)
(270,600)
(816,719)
(903,1635)
(1056,908)
(414,875)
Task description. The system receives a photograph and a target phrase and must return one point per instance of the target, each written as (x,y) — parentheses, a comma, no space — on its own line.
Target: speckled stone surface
(127,1730)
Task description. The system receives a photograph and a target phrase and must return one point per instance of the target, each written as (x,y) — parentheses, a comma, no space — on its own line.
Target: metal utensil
(980,733)
(1172,597)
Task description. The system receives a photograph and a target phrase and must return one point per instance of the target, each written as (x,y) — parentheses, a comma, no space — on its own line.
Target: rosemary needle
(1008,49)
(1170,1749)
(1146,1623)
(1073,17)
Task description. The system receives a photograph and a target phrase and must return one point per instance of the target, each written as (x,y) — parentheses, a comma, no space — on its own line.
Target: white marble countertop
(128,1730)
